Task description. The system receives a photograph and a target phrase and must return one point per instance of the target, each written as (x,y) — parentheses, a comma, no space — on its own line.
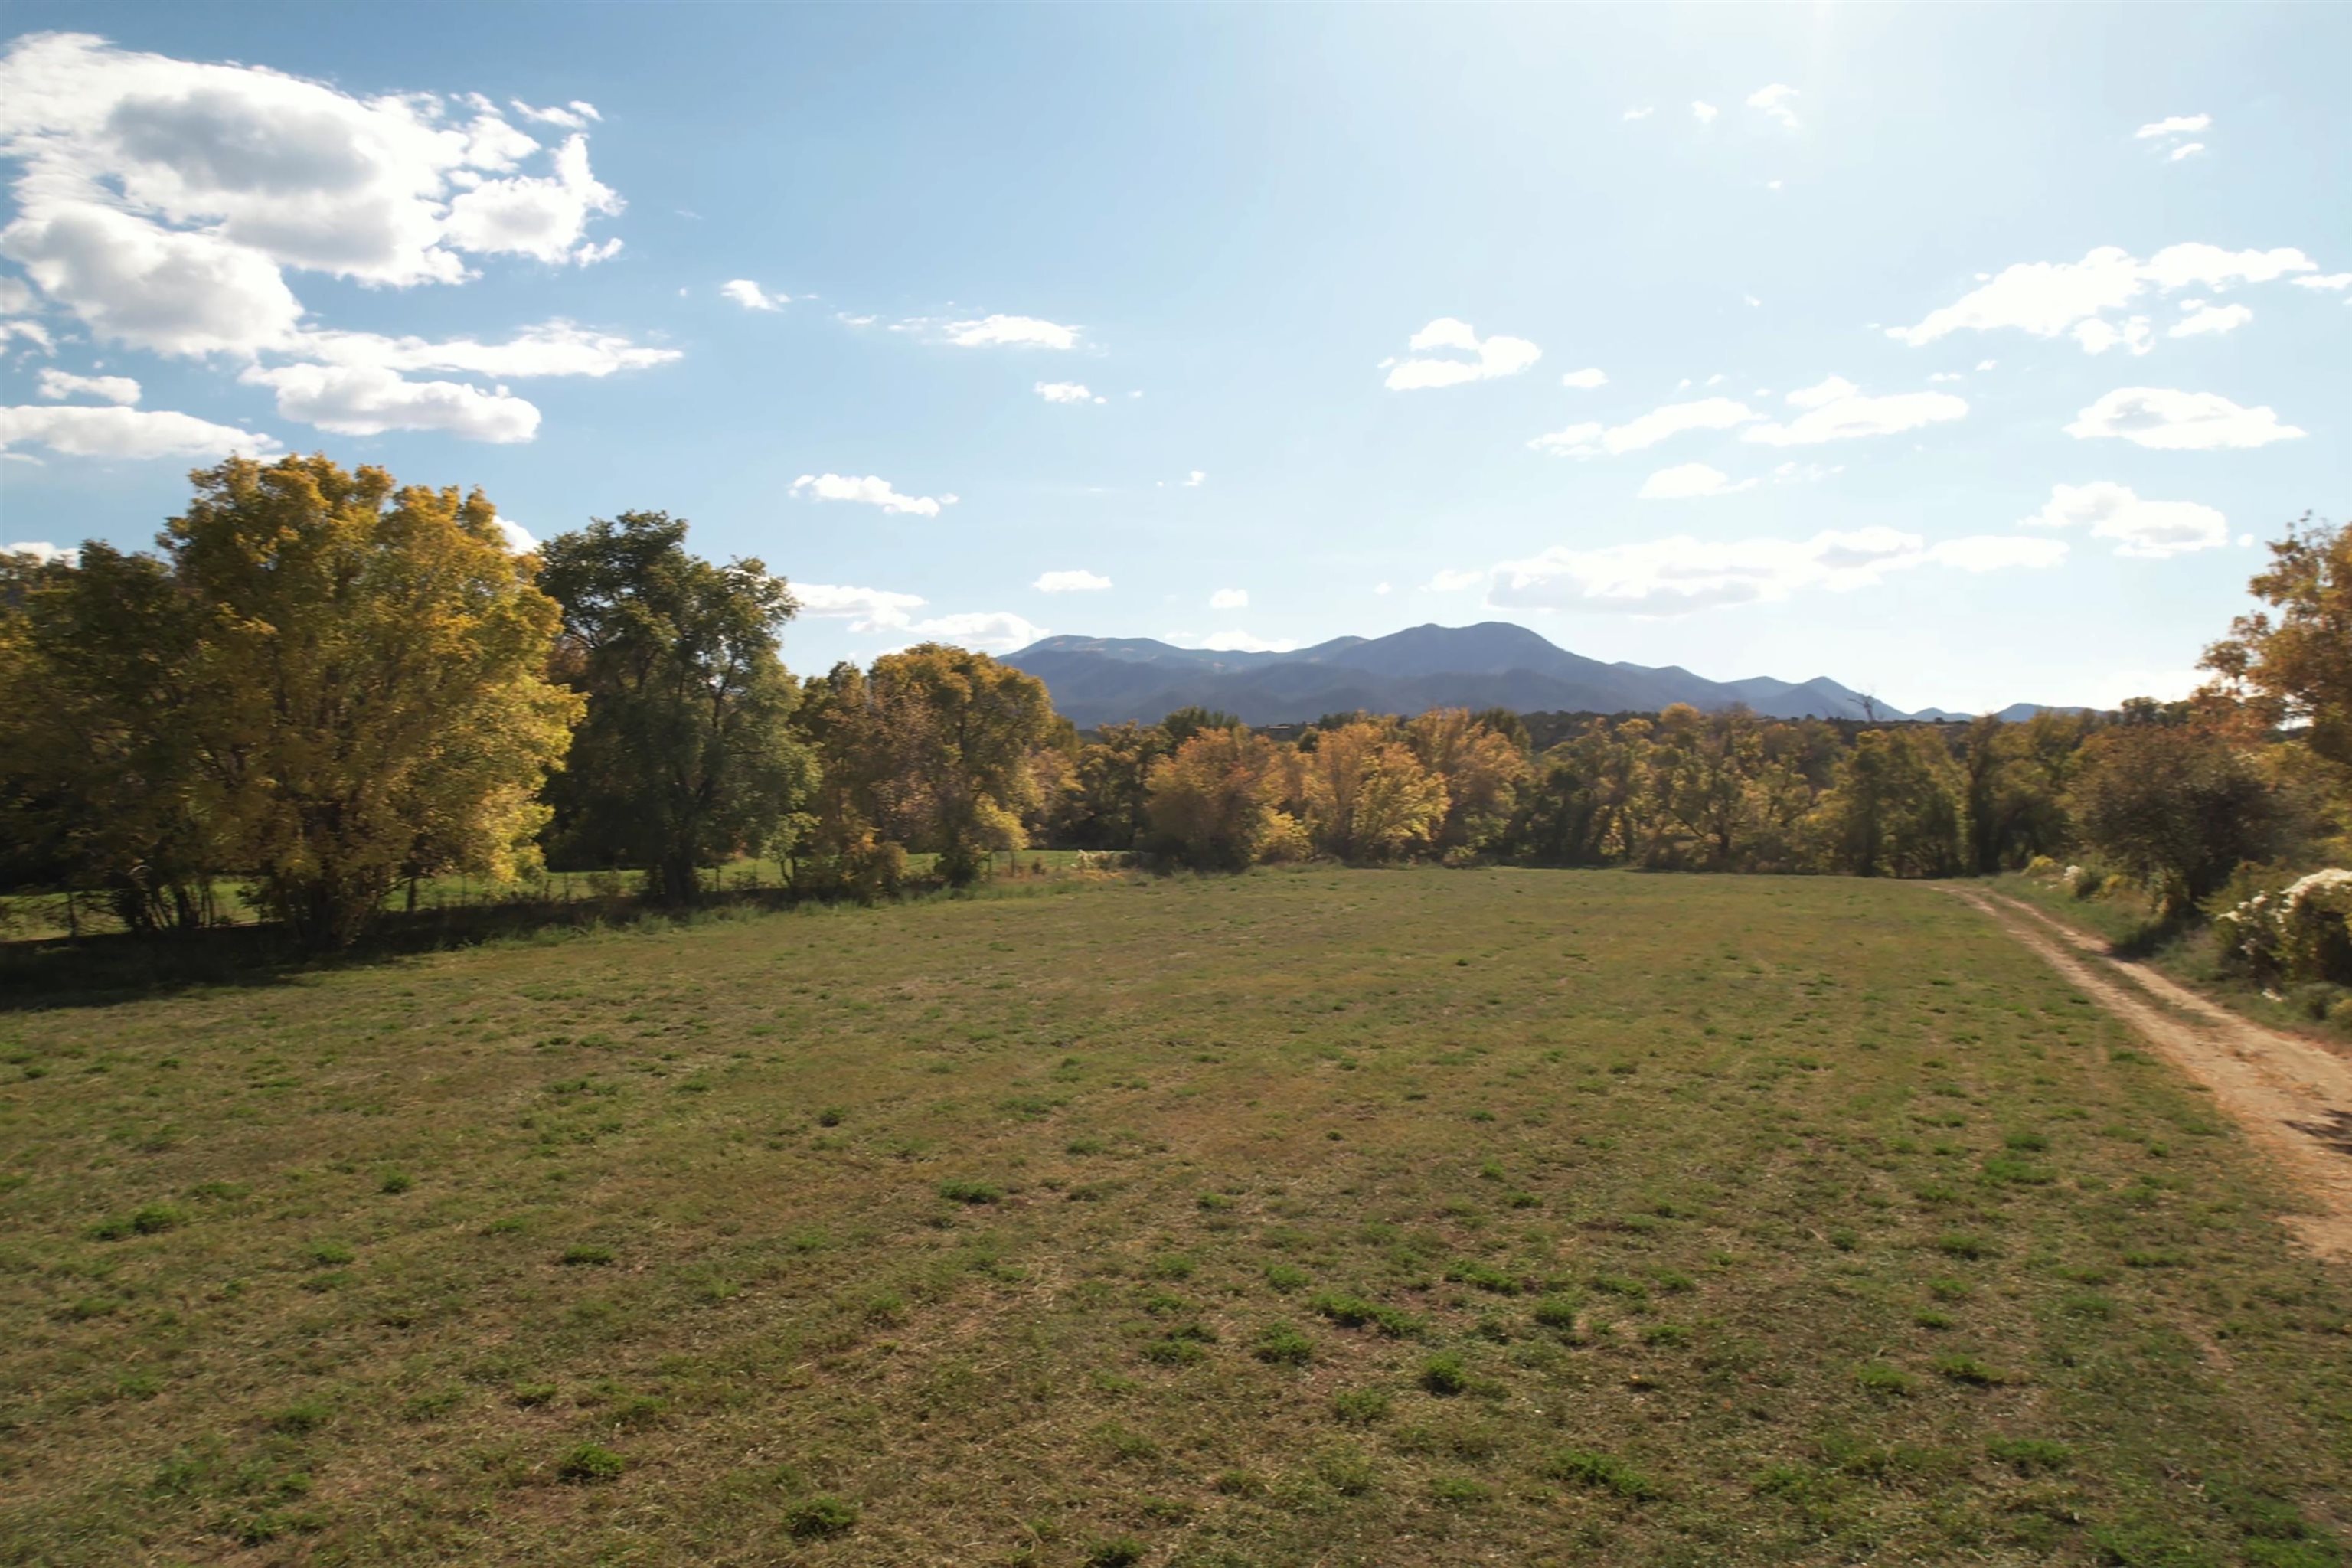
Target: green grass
(1692,1220)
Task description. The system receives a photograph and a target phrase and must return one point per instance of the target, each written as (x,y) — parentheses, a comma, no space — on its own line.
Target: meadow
(1302,1217)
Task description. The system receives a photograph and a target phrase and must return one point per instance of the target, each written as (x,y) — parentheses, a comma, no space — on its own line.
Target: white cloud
(1066,392)
(1703,112)
(15,298)
(2048,298)
(983,631)
(1229,599)
(58,384)
(1495,356)
(1987,363)
(516,536)
(551,348)
(1589,440)
(2171,420)
(1643,112)
(1679,575)
(2186,150)
(2328,280)
(2174,125)
(867,609)
(1016,330)
(1383,587)
(1454,581)
(1774,102)
(164,203)
(1945,377)
(871,489)
(368,400)
(1077,582)
(1194,481)
(32,332)
(1688,480)
(1836,410)
(84,432)
(2098,336)
(2153,528)
(2202,316)
(751,297)
(1586,378)
(43,552)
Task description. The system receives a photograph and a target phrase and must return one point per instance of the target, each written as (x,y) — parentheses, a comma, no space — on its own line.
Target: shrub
(2280,930)
(1445,1375)
(585,1464)
(1360,1407)
(820,1516)
(1283,1345)
(1585,1467)
(971,1193)
(587,1256)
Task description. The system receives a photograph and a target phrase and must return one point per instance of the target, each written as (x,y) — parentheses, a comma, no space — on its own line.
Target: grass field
(1307,1217)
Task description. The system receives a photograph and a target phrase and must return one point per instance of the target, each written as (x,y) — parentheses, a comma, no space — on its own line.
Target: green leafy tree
(1899,807)
(2177,806)
(1215,802)
(687,756)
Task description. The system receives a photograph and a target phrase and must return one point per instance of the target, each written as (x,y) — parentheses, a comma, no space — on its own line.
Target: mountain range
(1102,680)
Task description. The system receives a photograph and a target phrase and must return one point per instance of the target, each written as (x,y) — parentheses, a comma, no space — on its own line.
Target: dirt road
(2294,1098)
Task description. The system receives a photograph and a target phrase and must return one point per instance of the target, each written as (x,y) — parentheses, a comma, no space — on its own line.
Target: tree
(1214,802)
(1186,723)
(2178,806)
(932,748)
(1481,770)
(686,756)
(2296,669)
(103,783)
(365,684)
(1368,796)
(1108,788)
(1899,807)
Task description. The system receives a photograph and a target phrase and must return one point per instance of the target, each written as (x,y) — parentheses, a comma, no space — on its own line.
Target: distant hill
(1102,680)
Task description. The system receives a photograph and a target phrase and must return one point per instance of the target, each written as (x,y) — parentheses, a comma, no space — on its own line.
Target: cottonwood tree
(2176,805)
(1215,803)
(687,755)
(1480,768)
(365,687)
(1367,798)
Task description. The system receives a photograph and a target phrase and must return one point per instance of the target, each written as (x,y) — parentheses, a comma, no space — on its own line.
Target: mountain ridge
(1492,664)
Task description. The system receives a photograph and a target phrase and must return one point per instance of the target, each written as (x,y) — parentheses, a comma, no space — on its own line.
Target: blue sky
(1918,364)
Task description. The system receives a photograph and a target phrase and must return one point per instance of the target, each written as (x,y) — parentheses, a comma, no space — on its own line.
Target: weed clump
(1602,1472)
(1281,1344)
(589,1463)
(819,1517)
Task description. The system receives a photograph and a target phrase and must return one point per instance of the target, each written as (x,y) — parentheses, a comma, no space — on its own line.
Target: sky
(1964,355)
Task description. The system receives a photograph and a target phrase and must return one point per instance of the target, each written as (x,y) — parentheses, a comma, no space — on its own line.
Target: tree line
(328,685)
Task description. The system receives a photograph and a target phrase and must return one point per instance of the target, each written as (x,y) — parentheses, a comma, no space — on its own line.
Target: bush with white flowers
(2300,931)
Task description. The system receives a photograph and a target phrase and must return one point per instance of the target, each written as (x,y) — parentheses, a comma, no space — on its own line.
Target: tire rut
(2292,1097)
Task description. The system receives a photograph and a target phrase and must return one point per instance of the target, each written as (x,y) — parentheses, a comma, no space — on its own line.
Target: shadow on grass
(2154,934)
(98,971)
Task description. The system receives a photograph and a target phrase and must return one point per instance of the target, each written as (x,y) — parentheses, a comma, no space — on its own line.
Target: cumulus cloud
(2153,528)
(1027,331)
(751,297)
(1075,582)
(85,432)
(1229,599)
(1643,112)
(2332,281)
(1194,479)
(1489,357)
(1836,410)
(1066,392)
(32,332)
(551,348)
(2186,150)
(1680,574)
(1591,440)
(867,609)
(1453,581)
(368,400)
(1586,378)
(1774,102)
(2097,336)
(1703,111)
(515,536)
(43,552)
(164,203)
(58,385)
(983,631)
(2050,297)
(2174,125)
(871,490)
(2202,316)
(1688,480)
(2172,420)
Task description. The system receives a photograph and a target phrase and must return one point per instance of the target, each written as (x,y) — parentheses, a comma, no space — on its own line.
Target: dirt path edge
(2293,1097)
